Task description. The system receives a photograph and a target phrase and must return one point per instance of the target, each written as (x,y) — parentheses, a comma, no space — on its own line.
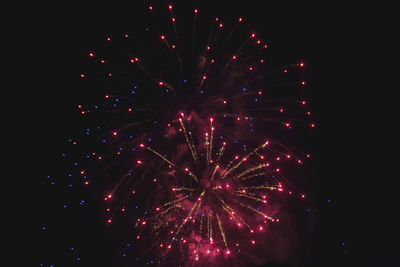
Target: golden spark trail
(251,197)
(209,227)
(187,217)
(237,217)
(221,229)
(120,182)
(201,224)
(207,144)
(161,156)
(253,209)
(253,175)
(243,160)
(229,164)
(172,164)
(262,187)
(249,170)
(189,144)
(193,176)
(220,153)
(198,207)
(230,211)
(166,210)
(211,137)
(190,213)
(182,189)
(192,143)
(175,201)
(213,174)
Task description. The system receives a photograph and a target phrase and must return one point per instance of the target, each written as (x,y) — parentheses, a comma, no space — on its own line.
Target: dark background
(329,37)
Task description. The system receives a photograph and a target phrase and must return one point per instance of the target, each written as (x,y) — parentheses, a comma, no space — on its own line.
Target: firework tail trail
(189,141)
(172,164)
(244,159)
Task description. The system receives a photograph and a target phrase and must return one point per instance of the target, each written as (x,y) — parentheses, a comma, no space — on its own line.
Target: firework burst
(191,136)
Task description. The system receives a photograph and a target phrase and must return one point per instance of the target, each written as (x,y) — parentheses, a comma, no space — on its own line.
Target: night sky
(326,36)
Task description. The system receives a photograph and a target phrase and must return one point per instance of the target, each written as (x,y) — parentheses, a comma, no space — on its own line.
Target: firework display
(191,136)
